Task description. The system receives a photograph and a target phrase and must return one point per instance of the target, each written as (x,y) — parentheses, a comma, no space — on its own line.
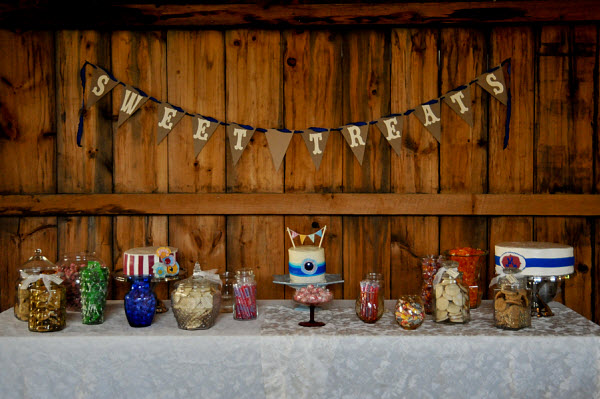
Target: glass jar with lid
(512,300)
(37,264)
(196,301)
(369,304)
(244,290)
(450,295)
(70,264)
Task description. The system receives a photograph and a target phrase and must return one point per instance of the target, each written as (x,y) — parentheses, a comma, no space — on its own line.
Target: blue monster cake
(307,264)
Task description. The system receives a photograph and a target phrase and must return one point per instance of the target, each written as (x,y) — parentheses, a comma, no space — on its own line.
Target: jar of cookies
(450,295)
(35,265)
(512,301)
(369,305)
(244,290)
(196,301)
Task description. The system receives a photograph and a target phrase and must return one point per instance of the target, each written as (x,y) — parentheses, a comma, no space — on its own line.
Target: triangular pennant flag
(131,101)
(278,142)
(312,237)
(356,137)
(239,137)
(460,101)
(294,234)
(391,128)
(100,84)
(203,130)
(168,117)
(302,238)
(429,115)
(493,83)
(319,233)
(316,140)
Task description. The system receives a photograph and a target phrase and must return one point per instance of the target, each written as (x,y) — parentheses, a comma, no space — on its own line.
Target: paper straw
(292,240)
(322,236)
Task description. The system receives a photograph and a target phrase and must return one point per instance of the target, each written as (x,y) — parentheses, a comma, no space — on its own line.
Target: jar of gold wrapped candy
(196,301)
(450,295)
(512,300)
(35,265)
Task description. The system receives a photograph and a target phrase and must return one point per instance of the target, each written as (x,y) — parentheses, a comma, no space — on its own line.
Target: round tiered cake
(535,258)
(307,264)
(158,262)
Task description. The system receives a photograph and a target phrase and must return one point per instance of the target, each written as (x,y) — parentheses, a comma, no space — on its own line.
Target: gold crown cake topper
(318,233)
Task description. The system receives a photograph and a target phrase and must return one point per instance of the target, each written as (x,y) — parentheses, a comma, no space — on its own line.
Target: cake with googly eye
(535,258)
(306,264)
(157,262)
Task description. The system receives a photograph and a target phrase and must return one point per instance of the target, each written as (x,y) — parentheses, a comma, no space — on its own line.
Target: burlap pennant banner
(460,101)
(391,128)
(131,101)
(278,142)
(168,117)
(239,137)
(101,84)
(493,82)
(203,130)
(316,140)
(356,137)
(430,116)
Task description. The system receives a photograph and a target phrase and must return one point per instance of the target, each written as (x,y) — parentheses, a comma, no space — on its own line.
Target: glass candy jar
(429,267)
(409,311)
(70,264)
(196,301)
(93,289)
(471,261)
(227,292)
(244,289)
(140,302)
(35,265)
(450,295)
(512,301)
(369,305)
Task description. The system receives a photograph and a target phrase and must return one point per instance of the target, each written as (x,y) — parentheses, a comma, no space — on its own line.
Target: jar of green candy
(94,289)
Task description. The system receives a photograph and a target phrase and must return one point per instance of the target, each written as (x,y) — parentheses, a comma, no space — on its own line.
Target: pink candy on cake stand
(312,296)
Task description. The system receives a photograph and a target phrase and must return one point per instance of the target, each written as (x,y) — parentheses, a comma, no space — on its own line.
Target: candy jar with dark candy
(70,264)
(140,302)
(94,287)
(35,265)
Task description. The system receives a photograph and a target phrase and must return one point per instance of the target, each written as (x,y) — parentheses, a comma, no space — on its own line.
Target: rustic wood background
(287,76)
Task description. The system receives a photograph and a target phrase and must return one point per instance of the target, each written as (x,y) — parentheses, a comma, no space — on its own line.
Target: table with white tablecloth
(274,357)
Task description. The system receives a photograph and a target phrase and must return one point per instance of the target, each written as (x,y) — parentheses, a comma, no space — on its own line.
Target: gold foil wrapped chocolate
(47,306)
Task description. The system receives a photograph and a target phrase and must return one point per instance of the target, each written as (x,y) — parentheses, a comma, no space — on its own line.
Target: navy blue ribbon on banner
(82,110)
(508,111)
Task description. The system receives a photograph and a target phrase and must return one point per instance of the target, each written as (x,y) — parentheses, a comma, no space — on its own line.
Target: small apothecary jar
(70,264)
(35,265)
(409,311)
(244,289)
(512,301)
(450,295)
(196,301)
(369,305)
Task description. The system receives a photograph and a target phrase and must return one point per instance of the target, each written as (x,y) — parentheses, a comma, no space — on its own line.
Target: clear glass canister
(429,267)
(227,295)
(450,295)
(471,262)
(409,311)
(512,301)
(70,264)
(244,289)
(196,301)
(369,303)
(35,265)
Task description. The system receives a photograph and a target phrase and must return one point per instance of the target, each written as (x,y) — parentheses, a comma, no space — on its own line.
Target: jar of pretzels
(450,295)
(512,301)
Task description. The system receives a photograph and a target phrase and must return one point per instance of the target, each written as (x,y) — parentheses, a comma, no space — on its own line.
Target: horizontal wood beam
(120,15)
(302,204)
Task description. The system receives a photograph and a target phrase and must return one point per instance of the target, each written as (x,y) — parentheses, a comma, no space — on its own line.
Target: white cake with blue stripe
(535,258)
(306,264)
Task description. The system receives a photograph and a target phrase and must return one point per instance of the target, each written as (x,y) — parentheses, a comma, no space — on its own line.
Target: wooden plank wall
(297,78)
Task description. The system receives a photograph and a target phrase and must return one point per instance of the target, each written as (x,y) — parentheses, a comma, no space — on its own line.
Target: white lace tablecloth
(273,357)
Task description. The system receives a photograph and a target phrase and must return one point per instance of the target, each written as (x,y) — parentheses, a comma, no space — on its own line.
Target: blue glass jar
(140,302)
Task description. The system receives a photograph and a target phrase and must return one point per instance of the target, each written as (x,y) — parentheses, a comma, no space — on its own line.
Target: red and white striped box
(141,261)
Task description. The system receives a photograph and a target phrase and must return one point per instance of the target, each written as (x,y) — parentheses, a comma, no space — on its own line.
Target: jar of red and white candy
(369,304)
(244,289)
(312,295)
(70,265)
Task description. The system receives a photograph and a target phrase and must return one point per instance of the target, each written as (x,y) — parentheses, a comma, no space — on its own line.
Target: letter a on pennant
(391,128)
(356,137)
(168,117)
(100,84)
(493,83)
(316,140)
(203,130)
(239,137)
(132,101)
(460,102)
(429,115)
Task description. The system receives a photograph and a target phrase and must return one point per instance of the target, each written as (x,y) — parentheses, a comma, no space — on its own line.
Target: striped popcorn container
(244,288)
